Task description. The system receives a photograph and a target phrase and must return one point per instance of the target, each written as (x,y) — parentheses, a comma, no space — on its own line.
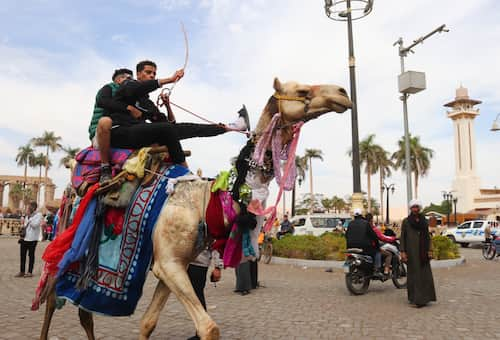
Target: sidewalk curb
(339,264)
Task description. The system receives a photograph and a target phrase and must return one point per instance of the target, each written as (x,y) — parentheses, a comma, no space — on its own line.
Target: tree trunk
(39,185)
(311,184)
(23,198)
(293,199)
(416,184)
(381,193)
(369,191)
(46,176)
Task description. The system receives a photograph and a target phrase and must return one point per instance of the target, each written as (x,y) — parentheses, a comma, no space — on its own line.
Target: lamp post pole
(403,52)
(387,188)
(448,197)
(348,12)
(455,200)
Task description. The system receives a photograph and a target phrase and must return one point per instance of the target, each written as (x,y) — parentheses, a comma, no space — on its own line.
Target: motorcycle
(359,270)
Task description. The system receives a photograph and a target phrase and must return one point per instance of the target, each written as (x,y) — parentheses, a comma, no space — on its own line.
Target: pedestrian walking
(416,251)
(197,272)
(30,234)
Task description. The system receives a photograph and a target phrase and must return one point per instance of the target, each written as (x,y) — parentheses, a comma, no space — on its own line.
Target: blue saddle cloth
(124,261)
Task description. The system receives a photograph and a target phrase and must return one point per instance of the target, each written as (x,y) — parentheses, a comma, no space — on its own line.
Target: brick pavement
(296,303)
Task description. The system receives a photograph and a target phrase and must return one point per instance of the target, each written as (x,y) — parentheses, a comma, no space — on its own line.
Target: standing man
(416,252)
(28,241)
(197,272)
(286,227)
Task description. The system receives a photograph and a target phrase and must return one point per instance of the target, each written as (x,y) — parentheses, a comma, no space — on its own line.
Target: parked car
(318,224)
(471,232)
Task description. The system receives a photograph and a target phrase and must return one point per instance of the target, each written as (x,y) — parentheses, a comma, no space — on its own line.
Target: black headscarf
(419,223)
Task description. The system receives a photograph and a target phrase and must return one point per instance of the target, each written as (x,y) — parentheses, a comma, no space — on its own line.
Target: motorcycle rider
(360,234)
(382,251)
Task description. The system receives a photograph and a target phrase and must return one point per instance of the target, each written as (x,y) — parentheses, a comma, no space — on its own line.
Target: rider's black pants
(163,133)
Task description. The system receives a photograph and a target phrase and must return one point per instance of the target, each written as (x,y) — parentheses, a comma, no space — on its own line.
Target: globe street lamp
(349,10)
(448,197)
(387,188)
(411,82)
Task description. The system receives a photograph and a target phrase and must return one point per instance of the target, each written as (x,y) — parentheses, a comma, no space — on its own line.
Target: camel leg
(50,307)
(150,317)
(175,276)
(87,323)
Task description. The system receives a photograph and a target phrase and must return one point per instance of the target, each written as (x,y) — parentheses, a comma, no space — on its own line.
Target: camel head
(299,102)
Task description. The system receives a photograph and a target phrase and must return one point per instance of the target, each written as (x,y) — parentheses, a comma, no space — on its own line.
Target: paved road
(297,303)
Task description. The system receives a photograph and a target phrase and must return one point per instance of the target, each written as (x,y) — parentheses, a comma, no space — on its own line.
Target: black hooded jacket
(361,235)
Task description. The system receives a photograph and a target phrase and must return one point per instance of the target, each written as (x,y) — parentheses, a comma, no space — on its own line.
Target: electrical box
(411,82)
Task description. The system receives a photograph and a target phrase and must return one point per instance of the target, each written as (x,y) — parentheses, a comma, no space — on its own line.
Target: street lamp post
(448,197)
(496,125)
(455,200)
(410,82)
(387,189)
(349,10)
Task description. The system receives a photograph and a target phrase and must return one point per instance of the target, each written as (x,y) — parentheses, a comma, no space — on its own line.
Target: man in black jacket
(132,130)
(360,234)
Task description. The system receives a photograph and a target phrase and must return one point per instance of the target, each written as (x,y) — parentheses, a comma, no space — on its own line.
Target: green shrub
(444,249)
(328,246)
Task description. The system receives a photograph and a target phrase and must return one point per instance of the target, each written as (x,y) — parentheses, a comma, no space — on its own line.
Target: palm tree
(338,204)
(51,142)
(40,160)
(327,204)
(70,154)
(16,192)
(301,166)
(310,154)
(384,167)
(368,151)
(25,157)
(420,158)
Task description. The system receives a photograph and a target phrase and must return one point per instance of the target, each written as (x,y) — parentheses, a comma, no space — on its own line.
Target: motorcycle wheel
(489,251)
(357,283)
(267,252)
(399,274)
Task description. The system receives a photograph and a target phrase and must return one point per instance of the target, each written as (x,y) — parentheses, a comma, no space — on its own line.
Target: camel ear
(277,85)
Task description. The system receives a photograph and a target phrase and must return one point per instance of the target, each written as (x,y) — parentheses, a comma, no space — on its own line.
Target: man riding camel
(100,124)
(131,129)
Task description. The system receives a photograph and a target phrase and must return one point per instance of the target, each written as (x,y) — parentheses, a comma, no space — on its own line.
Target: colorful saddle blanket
(124,255)
(89,165)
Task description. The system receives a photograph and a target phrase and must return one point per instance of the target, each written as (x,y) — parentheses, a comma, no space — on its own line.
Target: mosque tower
(466,183)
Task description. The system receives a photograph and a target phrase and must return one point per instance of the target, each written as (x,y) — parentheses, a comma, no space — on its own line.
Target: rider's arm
(136,89)
(106,101)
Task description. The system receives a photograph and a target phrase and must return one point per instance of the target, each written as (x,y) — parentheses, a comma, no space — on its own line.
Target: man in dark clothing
(360,234)
(100,125)
(131,130)
(416,251)
(286,227)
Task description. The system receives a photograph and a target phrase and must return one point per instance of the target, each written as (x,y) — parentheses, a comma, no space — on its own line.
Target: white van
(318,224)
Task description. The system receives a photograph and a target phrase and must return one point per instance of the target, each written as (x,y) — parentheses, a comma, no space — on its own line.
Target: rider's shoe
(377,274)
(106,174)
(242,123)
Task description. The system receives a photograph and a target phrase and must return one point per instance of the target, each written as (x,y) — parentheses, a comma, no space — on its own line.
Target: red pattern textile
(56,249)
(215,221)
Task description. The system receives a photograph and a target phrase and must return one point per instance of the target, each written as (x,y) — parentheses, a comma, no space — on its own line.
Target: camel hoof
(212,332)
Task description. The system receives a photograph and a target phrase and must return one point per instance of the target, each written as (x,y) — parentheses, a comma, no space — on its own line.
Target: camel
(176,228)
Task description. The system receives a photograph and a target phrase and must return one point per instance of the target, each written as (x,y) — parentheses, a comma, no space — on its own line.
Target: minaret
(466,183)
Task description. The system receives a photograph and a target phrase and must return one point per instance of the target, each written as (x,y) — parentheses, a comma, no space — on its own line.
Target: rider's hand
(404,257)
(177,75)
(165,98)
(135,112)
(216,275)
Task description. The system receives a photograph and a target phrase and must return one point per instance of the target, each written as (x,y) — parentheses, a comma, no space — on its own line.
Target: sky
(55,55)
